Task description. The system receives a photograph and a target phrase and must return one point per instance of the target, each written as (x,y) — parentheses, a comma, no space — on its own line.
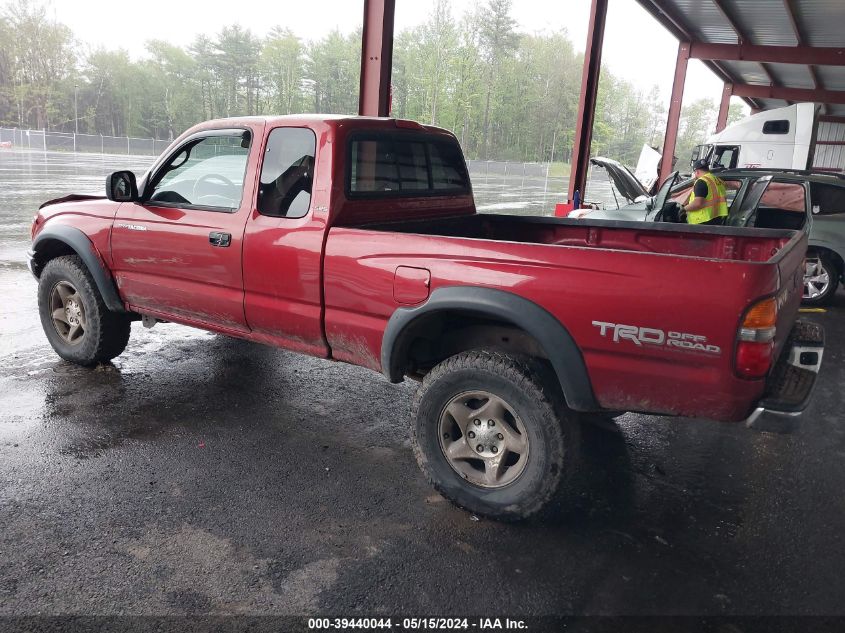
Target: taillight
(756,336)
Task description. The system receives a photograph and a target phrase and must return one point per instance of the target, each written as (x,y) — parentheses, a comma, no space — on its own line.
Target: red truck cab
(356,239)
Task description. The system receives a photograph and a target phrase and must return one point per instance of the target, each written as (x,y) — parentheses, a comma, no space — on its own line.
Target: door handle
(216,238)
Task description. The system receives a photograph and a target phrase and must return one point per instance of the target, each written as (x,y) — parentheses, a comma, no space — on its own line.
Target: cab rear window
(388,165)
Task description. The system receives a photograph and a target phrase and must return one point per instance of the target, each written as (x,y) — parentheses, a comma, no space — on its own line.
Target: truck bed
(607,272)
(719,243)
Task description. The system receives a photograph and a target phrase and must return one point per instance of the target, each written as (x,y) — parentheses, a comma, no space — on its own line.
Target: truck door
(177,251)
(283,245)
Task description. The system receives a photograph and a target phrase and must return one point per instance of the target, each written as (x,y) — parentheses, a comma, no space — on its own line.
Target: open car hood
(624,181)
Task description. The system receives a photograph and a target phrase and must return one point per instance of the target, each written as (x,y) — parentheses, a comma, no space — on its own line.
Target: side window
(776,127)
(784,196)
(827,199)
(732,187)
(206,172)
(681,195)
(725,156)
(782,206)
(287,173)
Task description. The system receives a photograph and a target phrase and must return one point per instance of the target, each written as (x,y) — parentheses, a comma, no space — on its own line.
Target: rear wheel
(821,278)
(492,436)
(75,319)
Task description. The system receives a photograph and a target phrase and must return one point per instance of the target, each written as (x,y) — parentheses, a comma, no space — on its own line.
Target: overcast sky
(636,47)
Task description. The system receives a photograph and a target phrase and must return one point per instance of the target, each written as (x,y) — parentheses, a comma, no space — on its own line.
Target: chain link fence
(499,186)
(90,143)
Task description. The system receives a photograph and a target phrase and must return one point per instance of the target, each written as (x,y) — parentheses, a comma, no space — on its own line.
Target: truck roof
(311,119)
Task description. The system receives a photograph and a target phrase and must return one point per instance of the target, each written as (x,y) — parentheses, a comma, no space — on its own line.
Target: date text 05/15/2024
(414,624)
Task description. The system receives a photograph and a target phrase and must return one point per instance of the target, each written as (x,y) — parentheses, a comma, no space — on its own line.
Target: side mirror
(121,187)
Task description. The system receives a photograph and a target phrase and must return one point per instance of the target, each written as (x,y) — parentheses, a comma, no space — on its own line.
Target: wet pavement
(200,474)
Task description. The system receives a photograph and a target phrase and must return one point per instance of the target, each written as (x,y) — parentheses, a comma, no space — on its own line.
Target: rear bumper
(790,385)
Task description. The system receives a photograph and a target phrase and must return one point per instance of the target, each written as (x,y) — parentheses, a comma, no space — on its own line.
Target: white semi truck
(794,137)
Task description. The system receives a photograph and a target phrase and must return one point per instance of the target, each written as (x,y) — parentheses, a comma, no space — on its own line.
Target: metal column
(587,101)
(724,107)
(376,57)
(674,117)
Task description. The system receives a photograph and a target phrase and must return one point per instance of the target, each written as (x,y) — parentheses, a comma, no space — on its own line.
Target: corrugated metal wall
(830,156)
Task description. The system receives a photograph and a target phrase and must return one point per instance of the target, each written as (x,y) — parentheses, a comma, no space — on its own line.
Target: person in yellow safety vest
(707,200)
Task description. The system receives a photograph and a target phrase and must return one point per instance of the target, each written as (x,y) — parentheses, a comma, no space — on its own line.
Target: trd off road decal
(651,336)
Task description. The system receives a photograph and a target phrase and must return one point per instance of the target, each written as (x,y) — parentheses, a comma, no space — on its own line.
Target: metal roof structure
(772,52)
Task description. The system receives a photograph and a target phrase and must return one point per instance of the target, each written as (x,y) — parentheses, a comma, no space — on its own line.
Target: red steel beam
(817,56)
(587,100)
(789,94)
(376,57)
(827,118)
(724,107)
(830,142)
(674,117)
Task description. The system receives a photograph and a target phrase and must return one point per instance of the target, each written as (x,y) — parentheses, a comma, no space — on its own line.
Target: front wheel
(491,436)
(75,319)
(821,278)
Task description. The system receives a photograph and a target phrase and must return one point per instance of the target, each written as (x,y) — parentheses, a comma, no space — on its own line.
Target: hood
(74,197)
(635,212)
(624,181)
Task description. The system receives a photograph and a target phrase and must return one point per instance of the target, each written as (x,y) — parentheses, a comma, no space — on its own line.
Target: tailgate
(790,264)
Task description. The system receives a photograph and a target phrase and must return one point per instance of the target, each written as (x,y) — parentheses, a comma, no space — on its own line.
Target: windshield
(700,151)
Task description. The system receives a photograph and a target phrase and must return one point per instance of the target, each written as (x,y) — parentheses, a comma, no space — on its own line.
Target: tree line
(507,95)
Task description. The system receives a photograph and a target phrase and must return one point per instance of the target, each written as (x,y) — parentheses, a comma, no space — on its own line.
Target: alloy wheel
(68,313)
(816,278)
(483,439)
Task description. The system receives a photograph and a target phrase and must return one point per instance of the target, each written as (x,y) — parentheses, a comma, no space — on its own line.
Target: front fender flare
(82,246)
(553,337)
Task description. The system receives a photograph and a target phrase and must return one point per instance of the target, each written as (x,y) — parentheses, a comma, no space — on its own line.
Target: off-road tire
(829,266)
(106,333)
(552,429)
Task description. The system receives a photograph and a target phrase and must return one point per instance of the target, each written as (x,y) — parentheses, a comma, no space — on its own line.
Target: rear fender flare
(557,343)
(82,246)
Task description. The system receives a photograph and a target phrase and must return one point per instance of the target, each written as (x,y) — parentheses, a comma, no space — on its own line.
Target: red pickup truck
(357,239)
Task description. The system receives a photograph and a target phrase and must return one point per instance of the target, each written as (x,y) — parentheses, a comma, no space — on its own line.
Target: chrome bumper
(790,385)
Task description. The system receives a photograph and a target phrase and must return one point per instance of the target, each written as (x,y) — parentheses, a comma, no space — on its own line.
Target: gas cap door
(411,285)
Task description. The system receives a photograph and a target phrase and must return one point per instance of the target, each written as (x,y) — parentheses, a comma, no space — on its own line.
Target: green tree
(498,41)
(282,68)
(109,74)
(235,65)
(333,72)
(698,120)
(41,56)
(736,112)
(173,73)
